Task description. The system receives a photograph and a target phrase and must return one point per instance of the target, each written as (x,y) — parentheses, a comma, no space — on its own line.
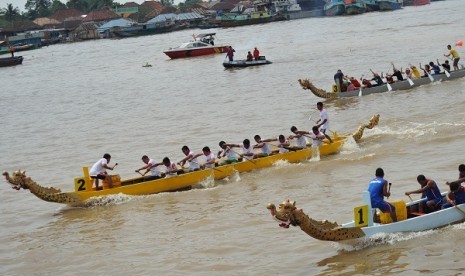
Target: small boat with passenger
(399,85)
(409,219)
(84,189)
(246,63)
(203,44)
(11,61)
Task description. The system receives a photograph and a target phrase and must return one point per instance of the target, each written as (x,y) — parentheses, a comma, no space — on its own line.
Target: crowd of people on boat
(344,83)
(379,188)
(227,153)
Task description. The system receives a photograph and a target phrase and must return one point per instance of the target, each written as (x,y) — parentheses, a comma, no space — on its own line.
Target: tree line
(44,8)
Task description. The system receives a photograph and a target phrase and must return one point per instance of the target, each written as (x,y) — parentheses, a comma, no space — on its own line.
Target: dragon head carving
(18,180)
(285,214)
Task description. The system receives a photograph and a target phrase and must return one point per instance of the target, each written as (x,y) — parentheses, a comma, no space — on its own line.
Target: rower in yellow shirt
(415,72)
(455,55)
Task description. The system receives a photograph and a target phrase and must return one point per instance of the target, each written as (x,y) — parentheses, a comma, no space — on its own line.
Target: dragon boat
(84,189)
(400,85)
(408,216)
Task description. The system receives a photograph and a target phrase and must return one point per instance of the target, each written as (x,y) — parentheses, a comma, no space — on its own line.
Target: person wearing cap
(98,170)
(455,55)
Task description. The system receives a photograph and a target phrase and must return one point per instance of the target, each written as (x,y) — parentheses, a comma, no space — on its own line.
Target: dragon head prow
(285,214)
(18,180)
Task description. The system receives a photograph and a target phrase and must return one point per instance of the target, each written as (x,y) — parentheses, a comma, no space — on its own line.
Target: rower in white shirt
(190,159)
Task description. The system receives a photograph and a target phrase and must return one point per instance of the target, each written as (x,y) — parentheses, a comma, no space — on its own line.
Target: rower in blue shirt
(378,189)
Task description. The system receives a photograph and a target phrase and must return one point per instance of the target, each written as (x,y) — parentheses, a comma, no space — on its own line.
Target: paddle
(410,198)
(389,188)
(243,157)
(410,81)
(388,86)
(457,207)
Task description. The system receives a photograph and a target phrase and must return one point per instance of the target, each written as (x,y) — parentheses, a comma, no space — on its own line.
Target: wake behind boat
(399,85)
(203,44)
(246,63)
(409,220)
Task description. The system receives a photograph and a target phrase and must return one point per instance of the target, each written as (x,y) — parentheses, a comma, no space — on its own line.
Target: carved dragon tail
(307,84)
(371,124)
(19,180)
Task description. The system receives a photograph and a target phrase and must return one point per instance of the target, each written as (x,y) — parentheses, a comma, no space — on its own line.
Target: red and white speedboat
(203,44)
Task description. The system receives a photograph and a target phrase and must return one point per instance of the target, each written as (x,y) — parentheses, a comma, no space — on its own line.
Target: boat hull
(242,20)
(135,186)
(334,9)
(182,53)
(11,61)
(416,2)
(245,63)
(390,5)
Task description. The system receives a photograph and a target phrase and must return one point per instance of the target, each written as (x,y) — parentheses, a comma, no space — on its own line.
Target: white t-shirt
(170,170)
(317,139)
(194,163)
(282,145)
(323,116)
(230,154)
(266,149)
(208,158)
(154,171)
(247,150)
(98,168)
(301,142)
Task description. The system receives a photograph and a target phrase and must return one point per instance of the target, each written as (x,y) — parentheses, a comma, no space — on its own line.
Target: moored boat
(400,85)
(203,44)
(334,7)
(416,2)
(248,18)
(246,63)
(355,7)
(11,61)
(372,5)
(84,189)
(390,5)
(409,220)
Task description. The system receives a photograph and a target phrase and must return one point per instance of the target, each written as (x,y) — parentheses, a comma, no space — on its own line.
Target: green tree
(41,8)
(167,3)
(57,5)
(78,5)
(10,12)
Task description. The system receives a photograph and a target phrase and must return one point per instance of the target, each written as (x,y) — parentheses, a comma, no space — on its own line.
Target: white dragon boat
(409,220)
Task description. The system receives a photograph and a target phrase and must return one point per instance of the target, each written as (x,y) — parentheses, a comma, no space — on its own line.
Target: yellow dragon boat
(84,189)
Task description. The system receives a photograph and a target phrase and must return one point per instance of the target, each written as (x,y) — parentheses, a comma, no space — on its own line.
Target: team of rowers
(227,153)
(345,83)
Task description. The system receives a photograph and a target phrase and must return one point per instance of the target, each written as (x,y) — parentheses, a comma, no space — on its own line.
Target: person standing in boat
(226,151)
(430,191)
(455,55)
(98,171)
(150,166)
(256,53)
(190,158)
(378,189)
(12,51)
(338,79)
(323,122)
(300,135)
(230,54)
(263,145)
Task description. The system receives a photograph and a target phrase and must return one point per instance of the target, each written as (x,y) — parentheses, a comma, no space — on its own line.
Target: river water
(68,104)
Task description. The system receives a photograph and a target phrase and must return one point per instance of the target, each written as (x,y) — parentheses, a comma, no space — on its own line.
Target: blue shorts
(386,207)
